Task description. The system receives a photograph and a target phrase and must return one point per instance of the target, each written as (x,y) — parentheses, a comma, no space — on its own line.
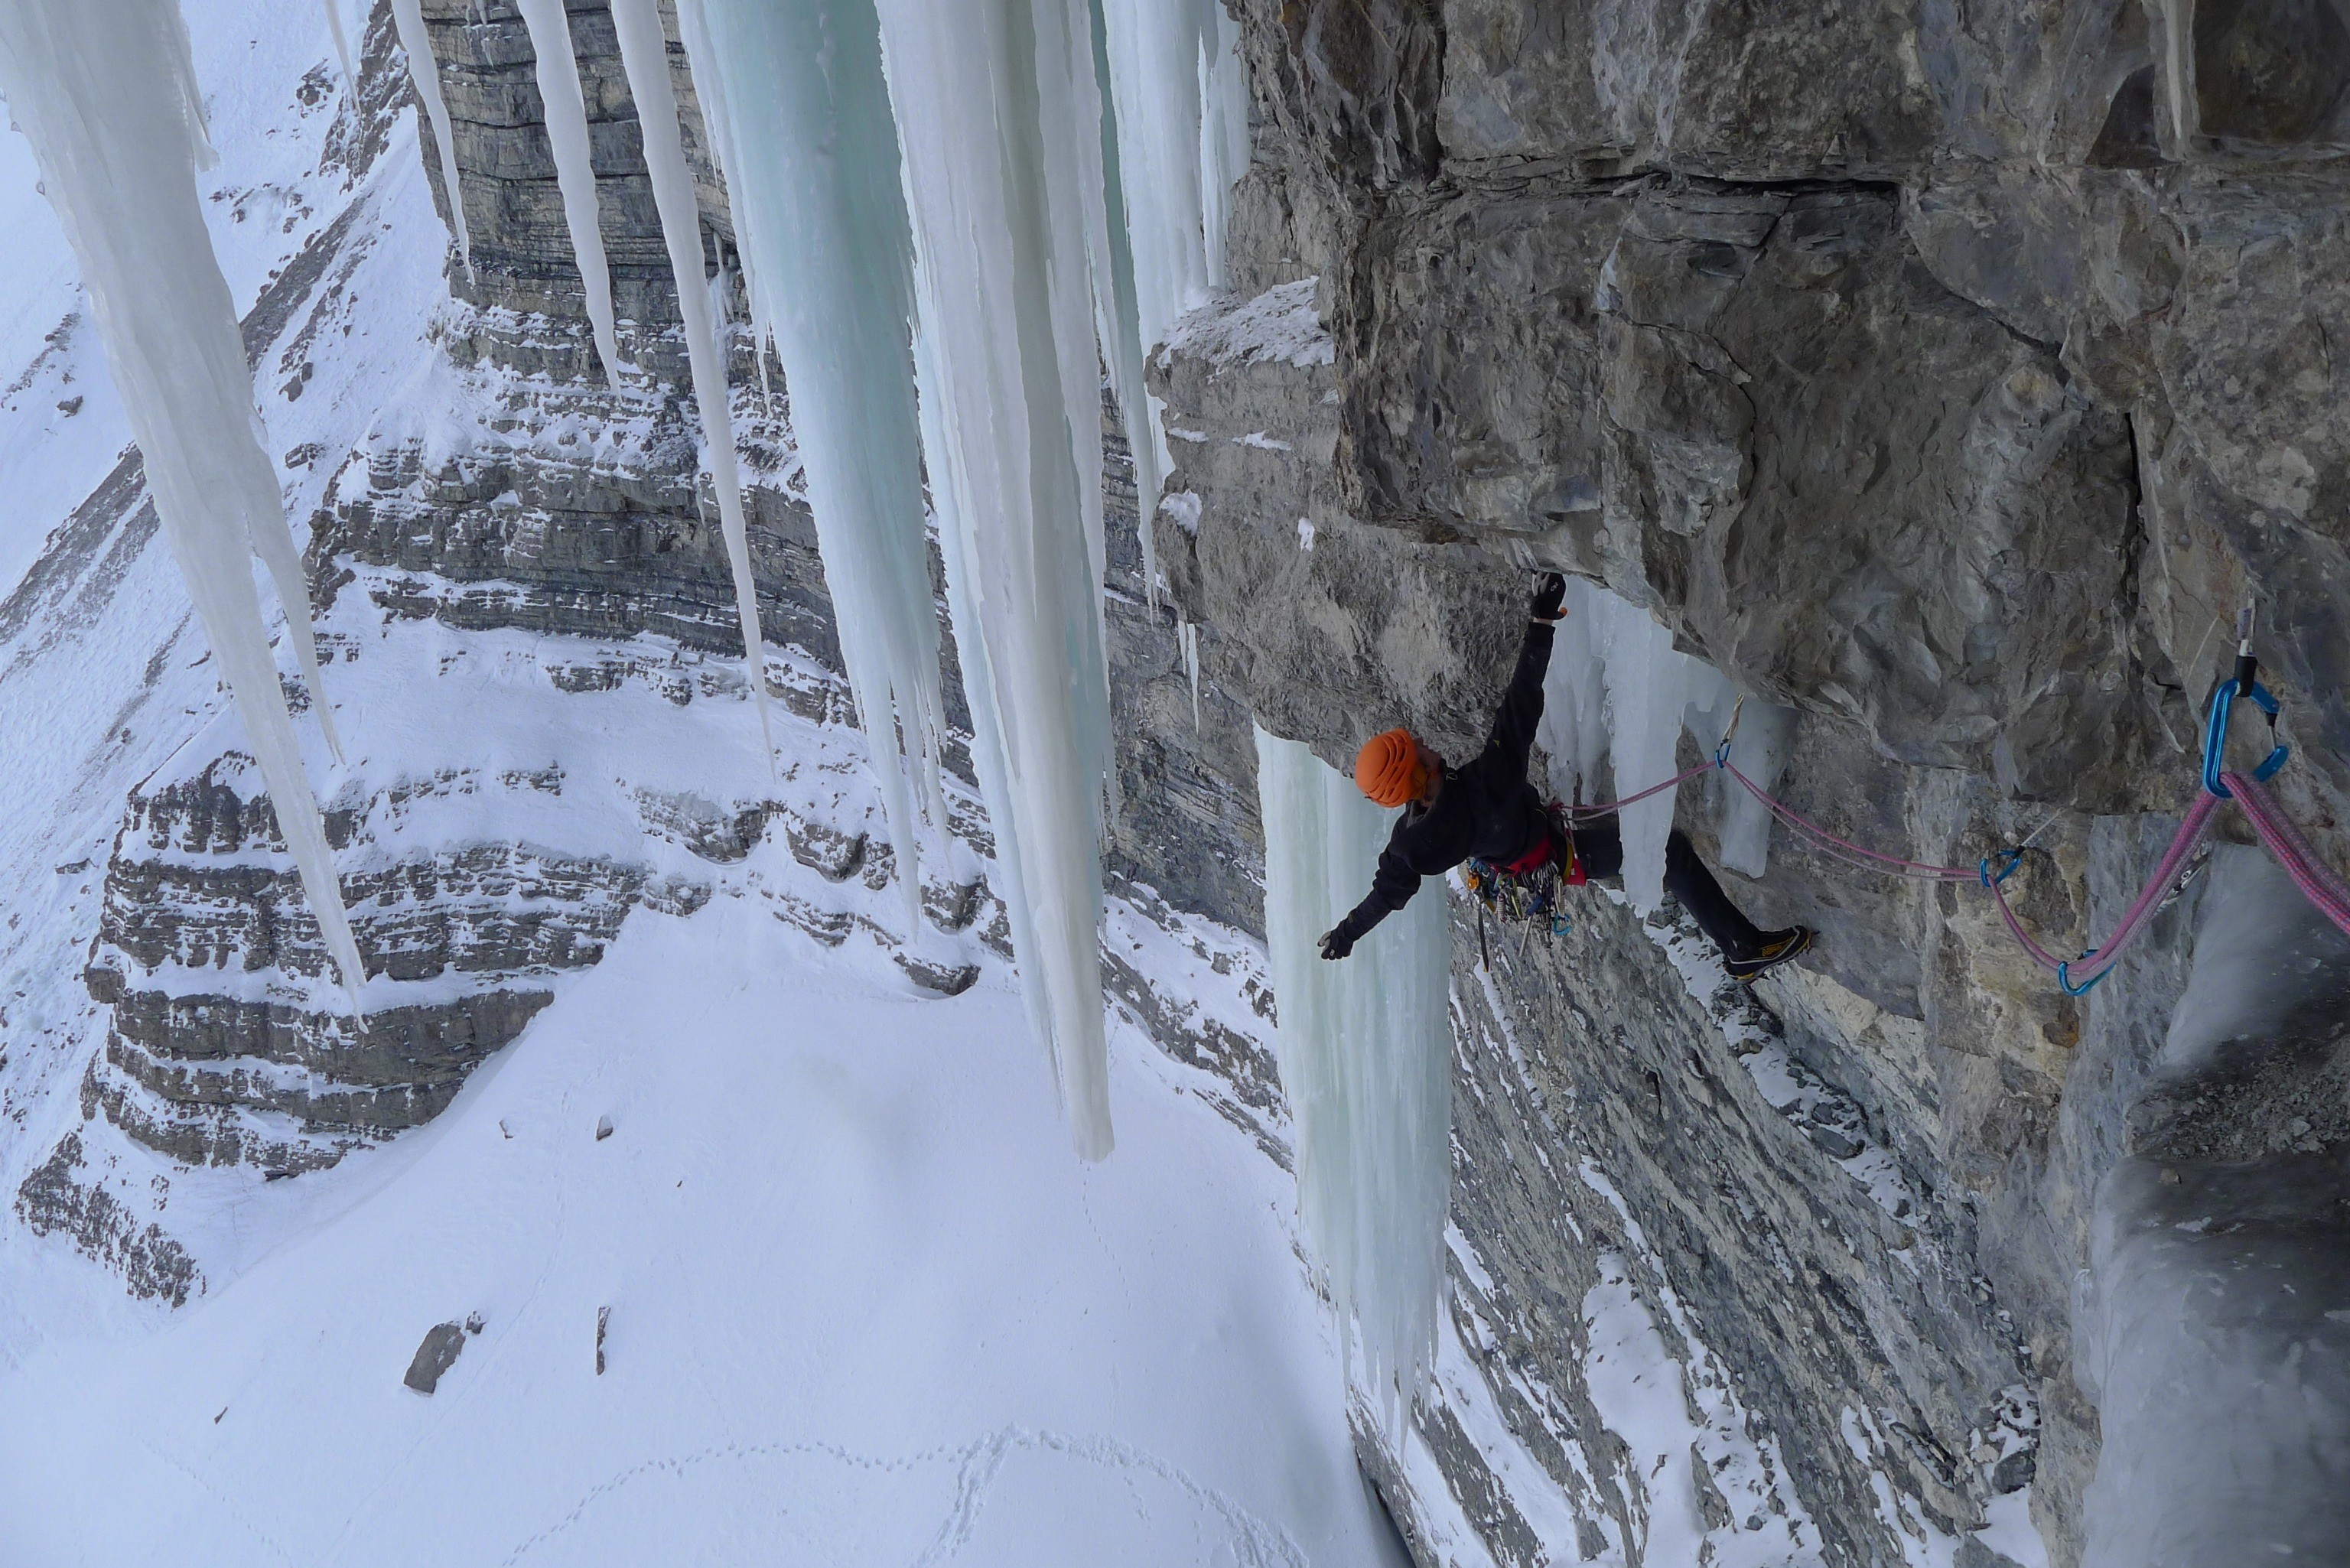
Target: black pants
(1599,845)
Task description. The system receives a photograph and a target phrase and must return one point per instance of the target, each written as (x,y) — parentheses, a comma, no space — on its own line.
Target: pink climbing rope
(2092,965)
(1610,807)
(2315,880)
(1846,846)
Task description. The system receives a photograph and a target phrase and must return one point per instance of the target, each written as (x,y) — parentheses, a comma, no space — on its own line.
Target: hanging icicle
(575,169)
(718,124)
(424,71)
(104,92)
(644,55)
(820,211)
(1000,116)
(717,119)
(1120,328)
(1187,638)
(1223,132)
(342,48)
(1181,94)
(1366,1054)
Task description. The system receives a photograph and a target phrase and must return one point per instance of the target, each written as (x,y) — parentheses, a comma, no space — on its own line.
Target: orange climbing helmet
(1388,769)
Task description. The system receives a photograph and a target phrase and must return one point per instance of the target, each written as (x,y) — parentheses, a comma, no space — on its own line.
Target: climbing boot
(1777,948)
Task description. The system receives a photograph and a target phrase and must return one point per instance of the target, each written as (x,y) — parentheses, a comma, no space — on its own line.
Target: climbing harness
(2077,975)
(1525,892)
(1518,898)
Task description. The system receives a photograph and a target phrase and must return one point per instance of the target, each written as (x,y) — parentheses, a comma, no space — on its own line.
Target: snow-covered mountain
(1918,395)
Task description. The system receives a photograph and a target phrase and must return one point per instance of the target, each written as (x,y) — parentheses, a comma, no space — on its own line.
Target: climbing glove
(1337,941)
(1550,597)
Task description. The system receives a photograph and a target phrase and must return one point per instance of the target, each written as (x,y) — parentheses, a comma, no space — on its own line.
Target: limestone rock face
(1952,375)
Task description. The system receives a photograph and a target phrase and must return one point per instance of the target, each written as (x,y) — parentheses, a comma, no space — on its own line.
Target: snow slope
(863,1307)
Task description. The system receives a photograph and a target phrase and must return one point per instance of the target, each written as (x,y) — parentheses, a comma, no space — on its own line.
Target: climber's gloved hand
(1550,597)
(1337,941)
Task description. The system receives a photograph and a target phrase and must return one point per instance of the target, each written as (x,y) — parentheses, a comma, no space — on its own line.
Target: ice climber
(1487,811)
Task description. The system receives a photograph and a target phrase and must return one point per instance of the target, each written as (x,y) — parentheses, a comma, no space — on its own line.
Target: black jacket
(1486,809)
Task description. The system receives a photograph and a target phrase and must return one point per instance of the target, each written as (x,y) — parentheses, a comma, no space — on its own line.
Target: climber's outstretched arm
(1522,703)
(1392,886)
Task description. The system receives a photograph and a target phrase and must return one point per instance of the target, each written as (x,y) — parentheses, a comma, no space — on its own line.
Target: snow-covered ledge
(2215,1328)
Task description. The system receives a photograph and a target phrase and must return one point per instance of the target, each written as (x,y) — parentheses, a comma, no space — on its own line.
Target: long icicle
(1181,135)
(644,55)
(1123,344)
(718,122)
(819,209)
(94,83)
(575,169)
(694,24)
(998,111)
(342,47)
(424,71)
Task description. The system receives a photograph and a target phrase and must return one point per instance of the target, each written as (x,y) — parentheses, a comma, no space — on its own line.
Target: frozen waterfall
(644,55)
(104,92)
(1366,1053)
(1620,692)
(820,211)
(424,71)
(575,168)
(2213,1330)
(999,115)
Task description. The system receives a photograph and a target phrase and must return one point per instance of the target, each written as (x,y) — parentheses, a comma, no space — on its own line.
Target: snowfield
(863,1307)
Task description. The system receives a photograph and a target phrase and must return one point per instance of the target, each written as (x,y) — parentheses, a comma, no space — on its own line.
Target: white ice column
(1648,693)
(1765,736)
(999,115)
(644,55)
(103,91)
(710,85)
(575,169)
(1366,1053)
(342,48)
(424,71)
(1180,96)
(1573,729)
(820,211)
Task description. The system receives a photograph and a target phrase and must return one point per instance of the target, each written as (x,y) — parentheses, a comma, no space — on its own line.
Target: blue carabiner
(2215,735)
(2064,976)
(2014,858)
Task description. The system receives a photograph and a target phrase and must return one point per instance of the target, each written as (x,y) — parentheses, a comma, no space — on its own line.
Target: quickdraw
(2243,685)
(1520,898)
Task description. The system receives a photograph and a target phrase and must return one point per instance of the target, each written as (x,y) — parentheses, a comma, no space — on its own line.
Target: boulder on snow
(943,978)
(443,1343)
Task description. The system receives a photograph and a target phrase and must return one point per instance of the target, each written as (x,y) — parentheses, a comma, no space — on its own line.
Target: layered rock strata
(569,530)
